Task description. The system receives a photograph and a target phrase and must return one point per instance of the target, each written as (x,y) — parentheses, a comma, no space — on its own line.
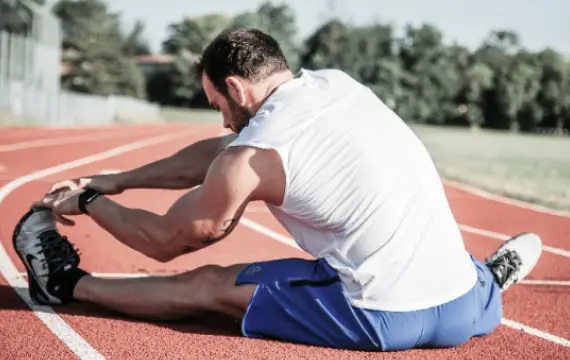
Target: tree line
(499,85)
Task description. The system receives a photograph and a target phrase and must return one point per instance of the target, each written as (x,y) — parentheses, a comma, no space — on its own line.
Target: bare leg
(208,288)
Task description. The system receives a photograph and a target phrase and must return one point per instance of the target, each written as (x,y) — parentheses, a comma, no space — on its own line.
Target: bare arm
(183,170)
(202,216)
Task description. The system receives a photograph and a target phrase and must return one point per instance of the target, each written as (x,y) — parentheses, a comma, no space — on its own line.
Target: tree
(326,47)
(134,43)
(185,42)
(433,79)
(193,34)
(477,78)
(97,52)
(277,20)
(515,82)
(554,93)
(187,39)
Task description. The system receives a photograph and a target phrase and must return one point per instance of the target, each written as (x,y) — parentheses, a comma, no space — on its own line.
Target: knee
(216,276)
(209,279)
(212,287)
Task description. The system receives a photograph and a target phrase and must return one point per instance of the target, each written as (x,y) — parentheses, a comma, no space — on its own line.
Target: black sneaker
(49,258)
(515,259)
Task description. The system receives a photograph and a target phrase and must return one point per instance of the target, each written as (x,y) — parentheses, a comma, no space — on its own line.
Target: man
(342,173)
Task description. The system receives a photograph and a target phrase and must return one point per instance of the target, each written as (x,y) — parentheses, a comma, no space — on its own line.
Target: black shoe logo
(32,273)
(29,259)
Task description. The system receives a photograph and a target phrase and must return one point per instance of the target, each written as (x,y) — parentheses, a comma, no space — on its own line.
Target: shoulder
(257,169)
(246,157)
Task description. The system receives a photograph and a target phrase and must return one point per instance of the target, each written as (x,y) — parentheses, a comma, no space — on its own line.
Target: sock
(63,284)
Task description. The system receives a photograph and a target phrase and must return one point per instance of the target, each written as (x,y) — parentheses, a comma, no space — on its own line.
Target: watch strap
(86,197)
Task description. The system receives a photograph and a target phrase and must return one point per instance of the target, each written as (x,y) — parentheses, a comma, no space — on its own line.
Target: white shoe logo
(252,270)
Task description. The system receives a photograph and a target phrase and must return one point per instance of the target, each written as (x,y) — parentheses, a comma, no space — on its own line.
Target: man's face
(235,116)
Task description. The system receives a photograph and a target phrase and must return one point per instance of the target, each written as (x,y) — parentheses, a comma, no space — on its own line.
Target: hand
(107,184)
(62,202)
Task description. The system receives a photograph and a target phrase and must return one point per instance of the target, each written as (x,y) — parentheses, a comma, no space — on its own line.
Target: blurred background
(485,84)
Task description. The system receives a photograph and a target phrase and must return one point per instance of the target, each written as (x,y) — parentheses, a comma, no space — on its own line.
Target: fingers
(50,204)
(63,185)
(84,182)
(56,202)
(42,203)
(63,220)
(69,185)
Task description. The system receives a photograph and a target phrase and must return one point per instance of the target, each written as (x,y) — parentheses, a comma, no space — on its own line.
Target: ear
(236,89)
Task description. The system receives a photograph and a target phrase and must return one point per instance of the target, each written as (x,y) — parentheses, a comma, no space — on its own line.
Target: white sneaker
(515,259)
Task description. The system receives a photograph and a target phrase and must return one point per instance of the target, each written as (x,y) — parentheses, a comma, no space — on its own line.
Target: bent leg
(477,313)
(488,296)
(208,288)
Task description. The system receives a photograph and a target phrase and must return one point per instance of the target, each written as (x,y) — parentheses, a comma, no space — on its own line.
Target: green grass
(190,115)
(9,120)
(532,168)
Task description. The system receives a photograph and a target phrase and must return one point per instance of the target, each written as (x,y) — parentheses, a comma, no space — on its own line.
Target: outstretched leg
(208,288)
(292,300)
(55,278)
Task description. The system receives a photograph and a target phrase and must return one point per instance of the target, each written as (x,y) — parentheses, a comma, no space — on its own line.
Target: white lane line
(509,323)
(505,200)
(504,237)
(45,313)
(268,232)
(35,130)
(109,171)
(536,332)
(61,140)
(546,282)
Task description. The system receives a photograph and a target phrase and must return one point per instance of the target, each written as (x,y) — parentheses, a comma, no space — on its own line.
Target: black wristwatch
(86,198)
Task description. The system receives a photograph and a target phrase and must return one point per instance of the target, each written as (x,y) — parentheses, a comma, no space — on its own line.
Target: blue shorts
(302,301)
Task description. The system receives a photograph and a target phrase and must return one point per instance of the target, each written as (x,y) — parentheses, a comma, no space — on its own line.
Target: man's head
(238,70)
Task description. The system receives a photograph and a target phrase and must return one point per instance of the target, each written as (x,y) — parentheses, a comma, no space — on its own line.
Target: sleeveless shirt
(362,192)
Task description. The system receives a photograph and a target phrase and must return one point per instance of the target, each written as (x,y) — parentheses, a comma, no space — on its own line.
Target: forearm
(185,169)
(138,229)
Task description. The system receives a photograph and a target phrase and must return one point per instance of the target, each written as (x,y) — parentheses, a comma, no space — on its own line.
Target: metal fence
(30,82)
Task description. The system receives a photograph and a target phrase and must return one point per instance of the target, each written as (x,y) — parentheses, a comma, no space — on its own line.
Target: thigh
(213,288)
(302,301)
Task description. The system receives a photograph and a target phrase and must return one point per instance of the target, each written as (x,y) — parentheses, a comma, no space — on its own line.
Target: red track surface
(22,334)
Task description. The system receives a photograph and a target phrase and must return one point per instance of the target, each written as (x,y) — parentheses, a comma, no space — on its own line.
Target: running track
(32,159)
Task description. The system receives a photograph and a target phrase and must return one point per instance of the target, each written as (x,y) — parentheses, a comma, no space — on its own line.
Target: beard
(241,115)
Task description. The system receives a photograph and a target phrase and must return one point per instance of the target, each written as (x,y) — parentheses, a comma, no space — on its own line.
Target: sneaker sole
(35,291)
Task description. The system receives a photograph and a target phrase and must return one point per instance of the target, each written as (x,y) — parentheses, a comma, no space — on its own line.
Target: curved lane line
(45,313)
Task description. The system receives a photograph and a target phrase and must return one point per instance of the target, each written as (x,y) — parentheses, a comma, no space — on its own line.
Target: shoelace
(57,250)
(505,266)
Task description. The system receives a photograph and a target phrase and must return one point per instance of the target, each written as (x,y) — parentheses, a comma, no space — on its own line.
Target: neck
(268,86)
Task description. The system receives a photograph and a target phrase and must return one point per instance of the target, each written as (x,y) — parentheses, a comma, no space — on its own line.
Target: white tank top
(362,193)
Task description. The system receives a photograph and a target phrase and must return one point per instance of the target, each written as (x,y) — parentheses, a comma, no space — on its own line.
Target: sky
(539,23)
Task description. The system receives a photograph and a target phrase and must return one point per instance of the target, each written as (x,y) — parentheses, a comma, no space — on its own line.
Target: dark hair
(249,53)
